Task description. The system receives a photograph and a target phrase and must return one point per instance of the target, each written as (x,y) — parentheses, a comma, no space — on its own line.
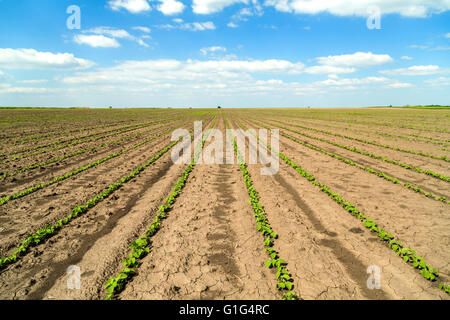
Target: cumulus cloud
(232,25)
(406,58)
(34,81)
(328,70)
(183,78)
(212,6)
(438,82)
(142,29)
(440,48)
(115,33)
(208,50)
(32,59)
(150,71)
(415,71)
(171,7)
(105,37)
(418,46)
(171,81)
(397,85)
(358,59)
(96,41)
(24,90)
(416,8)
(352,81)
(133,6)
(191,26)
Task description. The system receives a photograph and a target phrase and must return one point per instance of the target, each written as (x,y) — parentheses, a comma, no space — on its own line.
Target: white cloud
(398,85)
(212,6)
(142,43)
(33,81)
(415,8)
(440,48)
(430,48)
(177,82)
(133,6)
(190,77)
(191,26)
(328,70)
(32,59)
(200,26)
(358,59)
(441,81)
(415,71)
(177,20)
(251,66)
(171,7)
(352,81)
(417,46)
(96,41)
(112,32)
(151,71)
(406,58)
(447,35)
(208,50)
(143,29)
(9,89)
(246,12)
(106,37)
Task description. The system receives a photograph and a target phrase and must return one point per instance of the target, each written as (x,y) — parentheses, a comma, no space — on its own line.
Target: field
(361,198)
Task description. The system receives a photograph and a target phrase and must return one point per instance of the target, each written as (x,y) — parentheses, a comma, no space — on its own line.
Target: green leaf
(289,285)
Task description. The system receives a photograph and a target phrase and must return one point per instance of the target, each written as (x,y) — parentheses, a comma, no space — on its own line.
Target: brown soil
(209,247)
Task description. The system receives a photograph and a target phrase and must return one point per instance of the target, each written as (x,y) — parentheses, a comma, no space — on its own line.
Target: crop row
(428,140)
(76,153)
(374,143)
(388,124)
(83,138)
(81,169)
(52,134)
(88,138)
(416,138)
(53,143)
(43,234)
(341,121)
(141,247)
(285,281)
(365,168)
(407,254)
(369,154)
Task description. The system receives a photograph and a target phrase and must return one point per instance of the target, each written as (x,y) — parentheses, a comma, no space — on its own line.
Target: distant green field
(428,107)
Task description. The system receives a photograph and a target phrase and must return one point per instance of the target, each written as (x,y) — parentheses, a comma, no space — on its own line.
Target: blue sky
(233,53)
